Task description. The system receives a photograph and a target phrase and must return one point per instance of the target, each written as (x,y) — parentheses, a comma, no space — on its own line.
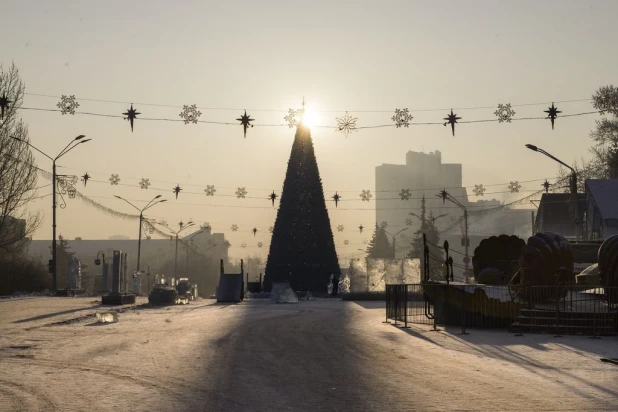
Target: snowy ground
(317,355)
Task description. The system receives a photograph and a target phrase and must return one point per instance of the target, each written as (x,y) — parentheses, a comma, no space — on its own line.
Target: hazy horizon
(338,56)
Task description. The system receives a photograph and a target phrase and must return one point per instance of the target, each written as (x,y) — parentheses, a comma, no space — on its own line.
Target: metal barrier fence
(559,309)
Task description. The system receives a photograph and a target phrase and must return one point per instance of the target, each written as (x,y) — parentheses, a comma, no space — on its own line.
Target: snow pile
(282,293)
(107,317)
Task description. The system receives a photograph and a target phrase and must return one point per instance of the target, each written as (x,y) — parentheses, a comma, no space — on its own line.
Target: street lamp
(64,151)
(573,183)
(141,218)
(402,230)
(182,226)
(187,249)
(447,196)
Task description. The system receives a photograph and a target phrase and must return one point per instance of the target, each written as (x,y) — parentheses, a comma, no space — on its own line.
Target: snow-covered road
(317,355)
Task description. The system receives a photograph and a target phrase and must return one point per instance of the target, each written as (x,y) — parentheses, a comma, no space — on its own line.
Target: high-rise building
(424,174)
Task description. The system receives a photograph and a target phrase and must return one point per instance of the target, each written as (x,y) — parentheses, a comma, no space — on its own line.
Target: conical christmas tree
(302,249)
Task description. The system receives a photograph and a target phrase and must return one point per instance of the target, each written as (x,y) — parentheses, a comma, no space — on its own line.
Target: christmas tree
(302,250)
(379,246)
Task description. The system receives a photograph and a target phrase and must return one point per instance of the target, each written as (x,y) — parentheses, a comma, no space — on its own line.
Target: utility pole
(447,196)
(533,225)
(182,226)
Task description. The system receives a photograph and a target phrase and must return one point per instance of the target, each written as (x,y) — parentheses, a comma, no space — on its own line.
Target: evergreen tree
(302,250)
(379,246)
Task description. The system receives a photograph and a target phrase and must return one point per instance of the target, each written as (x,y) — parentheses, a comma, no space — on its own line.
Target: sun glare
(310,116)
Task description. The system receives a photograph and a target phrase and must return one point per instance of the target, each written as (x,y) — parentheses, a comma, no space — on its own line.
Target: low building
(562,213)
(601,209)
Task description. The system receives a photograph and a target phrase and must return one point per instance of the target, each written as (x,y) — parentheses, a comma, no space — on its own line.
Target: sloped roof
(558,207)
(605,194)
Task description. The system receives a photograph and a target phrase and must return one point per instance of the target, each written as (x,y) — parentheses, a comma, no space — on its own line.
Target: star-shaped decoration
(452,119)
(177,190)
(67,104)
(546,185)
(336,198)
(241,193)
(552,113)
(114,180)
(384,224)
(4,104)
(402,117)
(409,221)
(85,178)
(443,194)
(479,190)
(234,228)
(144,183)
(131,115)
(346,124)
(360,228)
(260,244)
(245,120)
(346,242)
(271,229)
(505,113)
(405,194)
(514,186)
(254,231)
(190,114)
(366,195)
(340,228)
(210,190)
(181,224)
(273,197)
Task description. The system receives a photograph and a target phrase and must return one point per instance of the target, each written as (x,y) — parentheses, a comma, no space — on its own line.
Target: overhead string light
(345,124)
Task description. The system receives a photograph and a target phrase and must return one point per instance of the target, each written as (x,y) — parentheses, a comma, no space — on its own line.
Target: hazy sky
(353,55)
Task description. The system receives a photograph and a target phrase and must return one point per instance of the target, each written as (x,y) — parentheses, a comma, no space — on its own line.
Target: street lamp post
(402,230)
(187,249)
(573,183)
(64,151)
(141,218)
(446,196)
(182,226)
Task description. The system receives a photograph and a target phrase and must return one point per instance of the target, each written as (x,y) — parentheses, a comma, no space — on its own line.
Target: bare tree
(18,172)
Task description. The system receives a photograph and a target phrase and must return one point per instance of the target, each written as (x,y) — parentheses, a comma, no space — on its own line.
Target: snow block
(107,317)
(282,293)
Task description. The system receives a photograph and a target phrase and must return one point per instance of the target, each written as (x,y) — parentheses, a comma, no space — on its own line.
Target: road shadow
(54,314)
(290,357)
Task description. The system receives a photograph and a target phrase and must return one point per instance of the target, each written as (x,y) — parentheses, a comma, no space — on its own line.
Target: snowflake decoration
(366,195)
(365,242)
(340,228)
(346,124)
(67,104)
(479,190)
(190,114)
(271,229)
(114,180)
(260,244)
(405,194)
(346,242)
(292,117)
(384,224)
(243,245)
(402,118)
(504,113)
(163,222)
(234,228)
(144,183)
(210,190)
(241,192)
(409,221)
(514,186)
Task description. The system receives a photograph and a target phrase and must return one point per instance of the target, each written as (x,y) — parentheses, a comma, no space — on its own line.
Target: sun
(310,117)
